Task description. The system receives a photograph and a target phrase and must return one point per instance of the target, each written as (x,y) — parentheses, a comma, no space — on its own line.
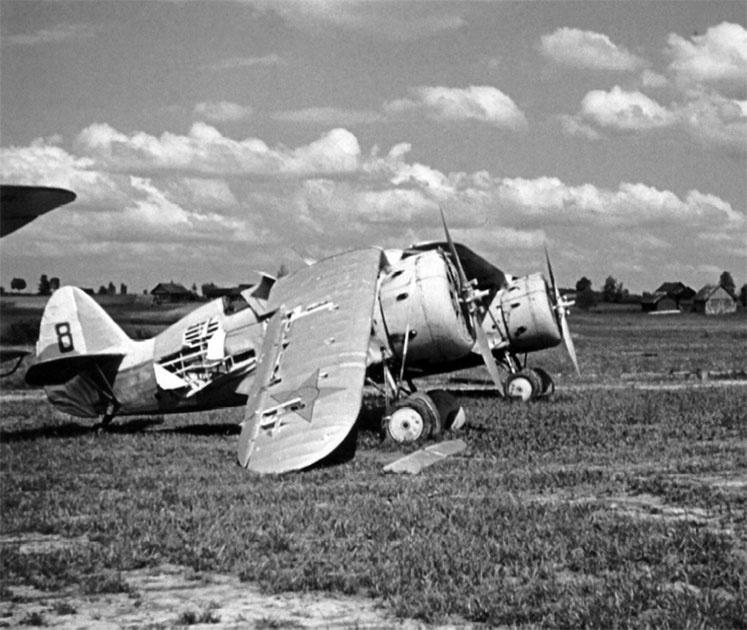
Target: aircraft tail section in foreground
(75,332)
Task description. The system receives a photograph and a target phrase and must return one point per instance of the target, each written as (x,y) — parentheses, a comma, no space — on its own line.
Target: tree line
(614,291)
(48,285)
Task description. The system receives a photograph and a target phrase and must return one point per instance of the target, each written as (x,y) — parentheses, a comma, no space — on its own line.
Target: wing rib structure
(307,390)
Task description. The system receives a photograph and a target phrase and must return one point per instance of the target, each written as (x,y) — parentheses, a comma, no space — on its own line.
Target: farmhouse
(659,301)
(679,292)
(171,292)
(712,299)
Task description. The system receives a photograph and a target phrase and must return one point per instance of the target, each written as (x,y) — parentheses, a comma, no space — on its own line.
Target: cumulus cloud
(589,50)
(711,119)
(222,111)
(627,111)
(206,151)
(444,105)
(718,57)
(632,204)
(716,121)
(179,198)
(116,207)
(480,103)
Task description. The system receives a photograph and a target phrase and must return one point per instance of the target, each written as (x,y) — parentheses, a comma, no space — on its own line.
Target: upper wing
(308,386)
(21,204)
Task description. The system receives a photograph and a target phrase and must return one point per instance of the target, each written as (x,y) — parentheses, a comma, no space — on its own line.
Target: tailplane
(75,332)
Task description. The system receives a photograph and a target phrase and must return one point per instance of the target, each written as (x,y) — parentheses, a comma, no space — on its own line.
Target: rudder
(74,329)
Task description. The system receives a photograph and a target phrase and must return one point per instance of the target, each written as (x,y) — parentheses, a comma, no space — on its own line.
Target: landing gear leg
(111,411)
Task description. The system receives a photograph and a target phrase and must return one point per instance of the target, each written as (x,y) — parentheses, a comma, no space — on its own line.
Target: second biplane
(299,351)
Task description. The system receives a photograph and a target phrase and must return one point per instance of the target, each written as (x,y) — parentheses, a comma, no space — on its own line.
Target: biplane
(298,352)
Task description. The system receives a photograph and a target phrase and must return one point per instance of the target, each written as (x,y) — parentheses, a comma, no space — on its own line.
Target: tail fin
(74,330)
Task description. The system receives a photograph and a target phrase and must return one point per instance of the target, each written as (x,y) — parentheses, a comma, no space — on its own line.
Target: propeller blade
(487,355)
(463,282)
(554,286)
(561,312)
(568,340)
(468,295)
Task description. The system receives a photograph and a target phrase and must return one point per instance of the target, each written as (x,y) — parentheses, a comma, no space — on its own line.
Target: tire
(449,410)
(412,419)
(523,386)
(547,384)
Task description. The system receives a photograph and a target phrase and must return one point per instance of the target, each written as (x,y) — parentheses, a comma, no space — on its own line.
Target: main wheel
(412,419)
(450,411)
(523,385)
(547,384)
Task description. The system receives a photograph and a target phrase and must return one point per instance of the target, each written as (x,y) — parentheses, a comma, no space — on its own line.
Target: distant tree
(194,288)
(586,299)
(111,289)
(727,284)
(613,290)
(743,295)
(102,290)
(17,284)
(583,284)
(2,290)
(123,289)
(44,288)
(609,290)
(54,284)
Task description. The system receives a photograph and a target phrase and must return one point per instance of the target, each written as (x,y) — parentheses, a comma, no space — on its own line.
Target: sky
(208,140)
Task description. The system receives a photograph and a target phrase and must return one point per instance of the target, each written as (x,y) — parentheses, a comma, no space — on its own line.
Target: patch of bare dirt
(651,507)
(171,596)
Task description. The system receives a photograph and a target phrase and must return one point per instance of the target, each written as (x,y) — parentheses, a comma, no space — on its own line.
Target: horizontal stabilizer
(60,370)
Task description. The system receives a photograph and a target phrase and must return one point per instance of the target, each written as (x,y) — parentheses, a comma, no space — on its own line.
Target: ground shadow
(206,428)
(73,430)
(343,453)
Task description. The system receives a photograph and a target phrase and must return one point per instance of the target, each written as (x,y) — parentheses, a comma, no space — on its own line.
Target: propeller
(561,306)
(471,297)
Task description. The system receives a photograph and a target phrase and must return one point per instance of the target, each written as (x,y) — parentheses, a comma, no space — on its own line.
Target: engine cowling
(419,294)
(525,315)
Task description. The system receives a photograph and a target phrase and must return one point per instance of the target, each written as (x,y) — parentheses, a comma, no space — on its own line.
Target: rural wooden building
(681,293)
(712,299)
(171,292)
(659,301)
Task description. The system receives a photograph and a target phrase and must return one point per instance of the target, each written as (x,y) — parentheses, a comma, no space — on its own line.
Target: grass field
(609,506)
